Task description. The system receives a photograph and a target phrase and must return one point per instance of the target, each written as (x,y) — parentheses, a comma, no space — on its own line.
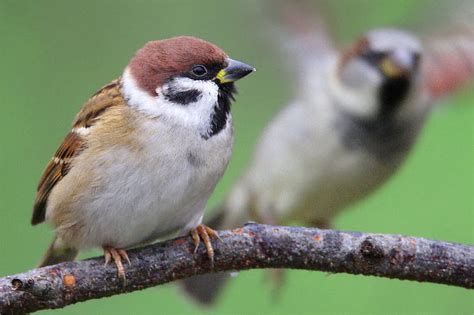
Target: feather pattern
(72,145)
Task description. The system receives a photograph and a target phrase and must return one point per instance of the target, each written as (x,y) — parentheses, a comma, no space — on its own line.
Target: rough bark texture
(253,246)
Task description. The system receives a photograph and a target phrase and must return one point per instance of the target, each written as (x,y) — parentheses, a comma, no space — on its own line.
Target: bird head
(182,79)
(379,73)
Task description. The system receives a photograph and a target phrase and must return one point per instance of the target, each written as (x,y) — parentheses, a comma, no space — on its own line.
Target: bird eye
(199,70)
(373,56)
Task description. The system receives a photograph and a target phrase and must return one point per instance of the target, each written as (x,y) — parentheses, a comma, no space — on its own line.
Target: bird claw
(205,233)
(118,255)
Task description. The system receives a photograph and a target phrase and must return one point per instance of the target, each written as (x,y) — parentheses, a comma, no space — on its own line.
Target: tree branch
(253,246)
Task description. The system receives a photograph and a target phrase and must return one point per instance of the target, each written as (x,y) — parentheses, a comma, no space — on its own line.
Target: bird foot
(118,255)
(205,233)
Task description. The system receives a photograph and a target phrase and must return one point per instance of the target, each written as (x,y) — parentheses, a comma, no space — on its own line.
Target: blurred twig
(253,246)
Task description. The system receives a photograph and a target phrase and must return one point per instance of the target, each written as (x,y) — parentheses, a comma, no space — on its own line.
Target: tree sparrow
(355,117)
(144,153)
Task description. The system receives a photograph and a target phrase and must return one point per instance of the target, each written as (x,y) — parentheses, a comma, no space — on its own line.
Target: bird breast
(152,181)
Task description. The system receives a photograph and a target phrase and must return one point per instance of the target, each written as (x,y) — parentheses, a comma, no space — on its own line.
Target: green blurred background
(55,54)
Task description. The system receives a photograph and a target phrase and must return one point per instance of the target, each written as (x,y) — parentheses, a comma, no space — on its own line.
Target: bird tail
(58,252)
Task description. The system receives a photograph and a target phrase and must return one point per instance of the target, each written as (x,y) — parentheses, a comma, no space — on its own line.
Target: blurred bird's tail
(58,252)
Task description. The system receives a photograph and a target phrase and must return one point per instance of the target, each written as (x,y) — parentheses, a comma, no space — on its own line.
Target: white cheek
(361,76)
(356,89)
(193,115)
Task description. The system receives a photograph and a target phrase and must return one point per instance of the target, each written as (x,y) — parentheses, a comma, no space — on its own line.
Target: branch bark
(253,246)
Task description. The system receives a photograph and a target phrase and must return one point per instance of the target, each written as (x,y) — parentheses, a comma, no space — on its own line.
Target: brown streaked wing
(107,96)
(72,145)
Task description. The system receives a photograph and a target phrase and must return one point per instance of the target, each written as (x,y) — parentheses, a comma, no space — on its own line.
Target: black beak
(234,71)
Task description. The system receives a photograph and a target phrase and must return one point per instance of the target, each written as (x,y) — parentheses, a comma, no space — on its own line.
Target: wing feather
(449,57)
(300,29)
(448,65)
(59,166)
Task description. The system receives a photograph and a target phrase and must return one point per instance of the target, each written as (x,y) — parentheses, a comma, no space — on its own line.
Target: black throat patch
(221,109)
(392,93)
(383,136)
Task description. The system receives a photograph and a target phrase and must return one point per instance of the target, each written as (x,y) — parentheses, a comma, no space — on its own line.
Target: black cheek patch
(181,97)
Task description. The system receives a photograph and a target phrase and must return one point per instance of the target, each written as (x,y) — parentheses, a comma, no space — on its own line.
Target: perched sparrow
(355,117)
(144,153)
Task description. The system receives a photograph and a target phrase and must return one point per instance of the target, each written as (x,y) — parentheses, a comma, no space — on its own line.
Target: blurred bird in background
(355,116)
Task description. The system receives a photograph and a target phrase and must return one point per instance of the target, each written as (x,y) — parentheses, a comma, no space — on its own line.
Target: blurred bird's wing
(73,144)
(449,58)
(449,64)
(300,30)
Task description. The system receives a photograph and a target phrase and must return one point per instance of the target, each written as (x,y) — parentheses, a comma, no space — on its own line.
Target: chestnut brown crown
(160,60)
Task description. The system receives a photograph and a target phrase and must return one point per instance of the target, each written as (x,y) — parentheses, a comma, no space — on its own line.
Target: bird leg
(117,255)
(277,278)
(320,224)
(205,233)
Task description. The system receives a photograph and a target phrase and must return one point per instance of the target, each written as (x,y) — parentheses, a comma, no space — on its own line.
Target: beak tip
(235,71)
(250,70)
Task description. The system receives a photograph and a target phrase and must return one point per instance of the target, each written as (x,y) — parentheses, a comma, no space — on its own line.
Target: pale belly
(135,199)
(317,197)
(343,186)
(315,184)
